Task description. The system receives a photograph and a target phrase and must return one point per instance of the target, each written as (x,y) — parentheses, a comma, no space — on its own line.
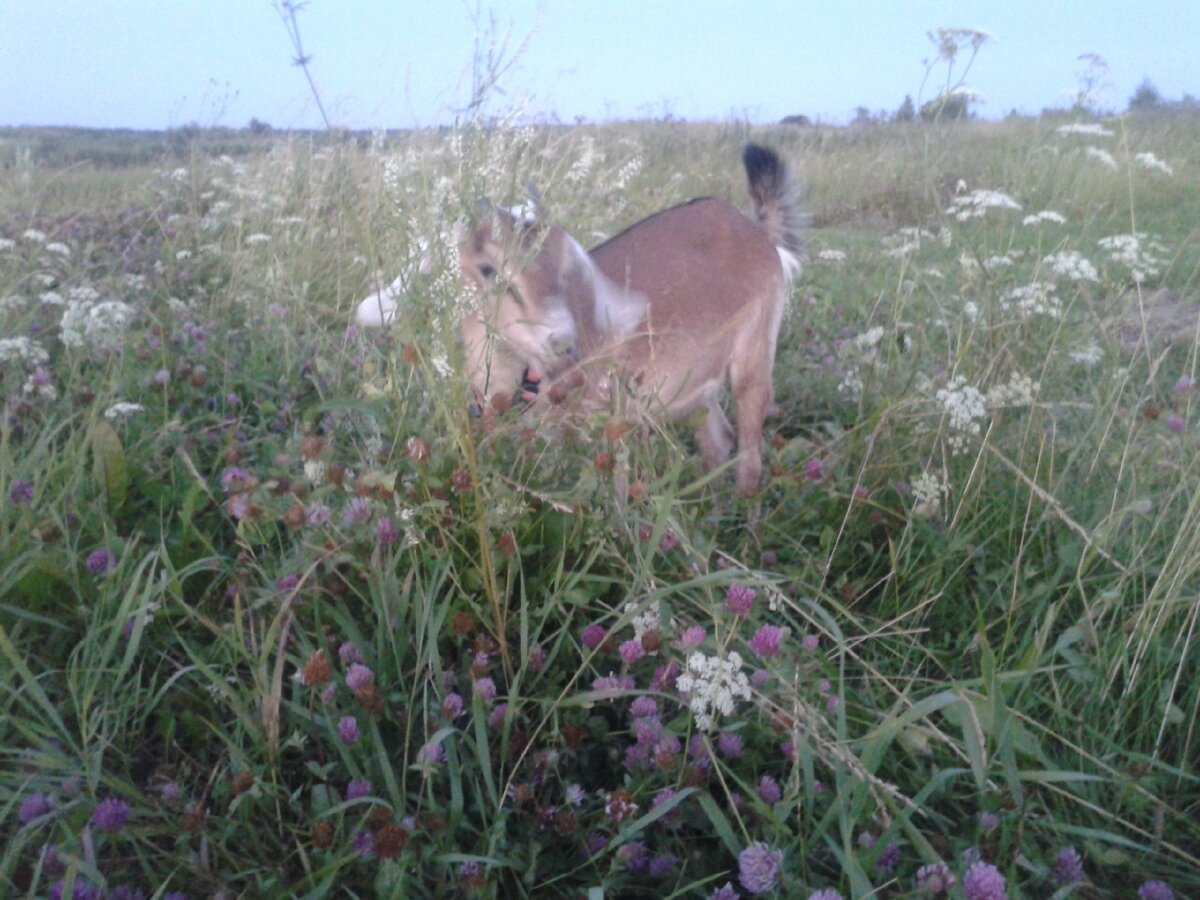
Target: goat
(671,307)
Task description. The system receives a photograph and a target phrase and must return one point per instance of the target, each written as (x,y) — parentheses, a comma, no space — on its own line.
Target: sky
(152,64)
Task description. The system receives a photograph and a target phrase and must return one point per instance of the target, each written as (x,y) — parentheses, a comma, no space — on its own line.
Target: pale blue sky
(397,63)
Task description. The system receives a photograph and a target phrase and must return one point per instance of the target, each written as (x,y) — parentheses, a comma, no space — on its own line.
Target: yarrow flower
(712,685)
(976,204)
(758,868)
(983,881)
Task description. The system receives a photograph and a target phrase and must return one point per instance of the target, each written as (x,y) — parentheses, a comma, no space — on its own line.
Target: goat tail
(776,204)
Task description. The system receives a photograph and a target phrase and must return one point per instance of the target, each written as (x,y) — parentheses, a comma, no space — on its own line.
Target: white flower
(976,204)
(1140,253)
(58,247)
(964,406)
(1101,156)
(34,236)
(7,244)
(869,338)
(1153,163)
(179,174)
(1036,299)
(95,326)
(314,471)
(649,619)
(928,491)
(1046,215)
(833,256)
(1088,356)
(1071,265)
(1090,129)
(24,350)
(1020,390)
(712,686)
(122,410)
(50,298)
(259,238)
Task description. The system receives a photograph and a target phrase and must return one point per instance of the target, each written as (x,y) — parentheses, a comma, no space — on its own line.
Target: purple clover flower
(33,807)
(825,894)
(20,492)
(631,651)
(358,788)
(663,865)
(758,868)
(692,637)
(347,729)
(729,744)
(592,636)
(983,881)
(1068,867)
(889,858)
(357,510)
(725,892)
(99,561)
(386,531)
(485,689)
(813,470)
(769,790)
(1155,890)
(766,640)
(739,599)
(452,706)
(358,676)
(110,814)
(363,843)
(634,856)
(643,707)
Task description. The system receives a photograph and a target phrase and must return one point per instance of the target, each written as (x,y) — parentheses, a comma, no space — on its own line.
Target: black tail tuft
(776,200)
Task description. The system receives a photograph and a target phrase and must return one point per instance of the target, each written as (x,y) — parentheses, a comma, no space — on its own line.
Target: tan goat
(669,308)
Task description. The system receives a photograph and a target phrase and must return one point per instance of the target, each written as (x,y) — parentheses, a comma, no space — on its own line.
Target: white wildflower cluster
(50,298)
(59,248)
(314,471)
(869,340)
(589,158)
(1072,265)
(713,685)
(997,262)
(1102,156)
(1046,215)
(34,236)
(970,310)
(1019,390)
(649,619)
(122,410)
(627,172)
(906,241)
(23,350)
(406,518)
(7,244)
(1152,163)
(976,204)
(38,386)
(832,256)
(1036,299)
(90,323)
(1140,253)
(254,240)
(929,492)
(1088,356)
(965,409)
(1090,129)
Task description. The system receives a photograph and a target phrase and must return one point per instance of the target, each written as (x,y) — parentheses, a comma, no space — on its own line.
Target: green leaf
(108,464)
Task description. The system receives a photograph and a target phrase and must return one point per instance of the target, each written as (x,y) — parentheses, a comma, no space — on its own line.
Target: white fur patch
(380,308)
(617,312)
(791,264)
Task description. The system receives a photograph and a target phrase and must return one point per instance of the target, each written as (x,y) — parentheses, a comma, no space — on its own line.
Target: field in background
(278,617)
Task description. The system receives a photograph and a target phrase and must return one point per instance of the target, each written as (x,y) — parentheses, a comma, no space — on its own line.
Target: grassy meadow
(279,618)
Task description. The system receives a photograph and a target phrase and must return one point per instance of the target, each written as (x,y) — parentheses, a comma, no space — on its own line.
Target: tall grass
(323,633)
